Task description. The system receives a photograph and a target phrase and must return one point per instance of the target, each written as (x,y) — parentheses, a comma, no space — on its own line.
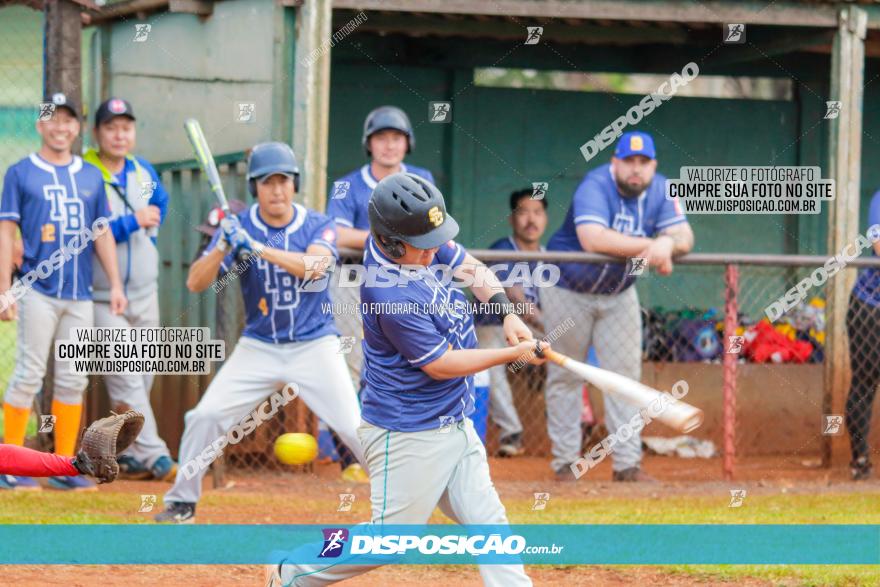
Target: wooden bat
(672,412)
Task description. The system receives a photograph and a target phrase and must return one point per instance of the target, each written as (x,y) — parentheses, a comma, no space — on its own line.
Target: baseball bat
(673,412)
(206,161)
(209,166)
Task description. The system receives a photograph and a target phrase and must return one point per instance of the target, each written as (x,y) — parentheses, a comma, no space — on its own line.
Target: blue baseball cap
(635,143)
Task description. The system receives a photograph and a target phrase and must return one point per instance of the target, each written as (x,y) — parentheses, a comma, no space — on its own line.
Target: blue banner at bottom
(440,544)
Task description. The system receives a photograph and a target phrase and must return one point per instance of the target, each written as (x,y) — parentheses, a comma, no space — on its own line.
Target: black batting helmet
(268,159)
(385,117)
(407,208)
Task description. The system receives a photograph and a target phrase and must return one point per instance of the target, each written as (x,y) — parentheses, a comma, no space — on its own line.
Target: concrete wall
(193,67)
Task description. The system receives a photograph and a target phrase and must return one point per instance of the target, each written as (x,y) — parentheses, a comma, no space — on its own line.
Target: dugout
(204,58)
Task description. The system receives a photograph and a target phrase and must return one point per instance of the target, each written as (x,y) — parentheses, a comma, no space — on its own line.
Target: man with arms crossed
(421,447)
(621,210)
(138,204)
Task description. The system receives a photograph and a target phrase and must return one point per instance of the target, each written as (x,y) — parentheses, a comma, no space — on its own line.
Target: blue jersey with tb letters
(511,274)
(52,204)
(349,195)
(405,328)
(277,307)
(597,201)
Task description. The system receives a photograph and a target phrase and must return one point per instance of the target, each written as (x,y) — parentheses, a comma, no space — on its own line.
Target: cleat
(177,512)
(132,469)
(632,475)
(19,483)
(510,446)
(72,483)
(164,469)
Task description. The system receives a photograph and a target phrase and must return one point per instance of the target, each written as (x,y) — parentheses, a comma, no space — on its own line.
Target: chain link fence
(21,87)
(760,384)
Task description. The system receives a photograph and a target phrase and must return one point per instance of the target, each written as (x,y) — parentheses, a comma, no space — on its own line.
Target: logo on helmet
(435,216)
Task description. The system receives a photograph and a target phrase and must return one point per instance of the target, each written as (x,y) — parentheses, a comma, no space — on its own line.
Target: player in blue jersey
(863,326)
(619,209)
(528,220)
(288,338)
(58,203)
(138,204)
(419,359)
(387,138)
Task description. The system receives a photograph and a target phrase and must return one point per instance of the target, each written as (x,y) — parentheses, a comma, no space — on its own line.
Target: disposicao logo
(334,542)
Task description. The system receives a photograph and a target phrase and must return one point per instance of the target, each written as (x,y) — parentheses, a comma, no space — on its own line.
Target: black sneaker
(177,512)
(510,446)
(861,469)
(632,475)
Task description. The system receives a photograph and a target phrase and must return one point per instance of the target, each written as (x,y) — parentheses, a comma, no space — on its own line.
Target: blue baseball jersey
(867,287)
(511,274)
(52,204)
(349,195)
(278,309)
(405,328)
(597,201)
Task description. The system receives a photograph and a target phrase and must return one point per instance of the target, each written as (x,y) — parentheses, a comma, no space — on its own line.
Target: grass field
(312,499)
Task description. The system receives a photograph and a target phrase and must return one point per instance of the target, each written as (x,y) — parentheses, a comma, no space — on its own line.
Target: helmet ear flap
(252,187)
(392,246)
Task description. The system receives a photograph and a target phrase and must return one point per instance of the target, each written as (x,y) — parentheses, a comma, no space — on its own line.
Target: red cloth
(765,344)
(18,460)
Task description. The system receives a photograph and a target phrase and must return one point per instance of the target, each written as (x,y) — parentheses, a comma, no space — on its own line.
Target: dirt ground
(311,498)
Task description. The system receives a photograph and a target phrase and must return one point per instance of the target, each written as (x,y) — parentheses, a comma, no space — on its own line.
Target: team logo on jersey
(624,223)
(67,211)
(435,216)
(328,235)
(334,542)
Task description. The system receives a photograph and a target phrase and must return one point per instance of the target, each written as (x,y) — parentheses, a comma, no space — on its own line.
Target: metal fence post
(731,286)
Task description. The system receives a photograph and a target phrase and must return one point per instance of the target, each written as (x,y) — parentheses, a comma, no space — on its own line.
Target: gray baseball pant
(613,325)
(42,320)
(253,372)
(411,473)
(502,409)
(133,389)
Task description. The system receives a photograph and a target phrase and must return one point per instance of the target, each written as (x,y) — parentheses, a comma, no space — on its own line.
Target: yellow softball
(296,448)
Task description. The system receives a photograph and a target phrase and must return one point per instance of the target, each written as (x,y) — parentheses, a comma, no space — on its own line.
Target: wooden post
(62,59)
(311,104)
(845,149)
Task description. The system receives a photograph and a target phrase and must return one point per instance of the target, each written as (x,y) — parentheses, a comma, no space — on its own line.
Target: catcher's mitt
(103,440)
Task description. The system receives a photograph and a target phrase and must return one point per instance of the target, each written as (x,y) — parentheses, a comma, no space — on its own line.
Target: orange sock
(67,422)
(15,421)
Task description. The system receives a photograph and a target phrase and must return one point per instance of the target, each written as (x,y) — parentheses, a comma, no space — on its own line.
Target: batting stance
(138,204)
(621,210)
(419,359)
(388,137)
(58,202)
(287,338)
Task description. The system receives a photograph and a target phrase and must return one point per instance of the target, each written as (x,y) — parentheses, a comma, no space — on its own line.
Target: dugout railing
(763,394)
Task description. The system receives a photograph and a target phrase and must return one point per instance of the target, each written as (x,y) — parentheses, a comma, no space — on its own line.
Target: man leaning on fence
(619,209)
(528,219)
